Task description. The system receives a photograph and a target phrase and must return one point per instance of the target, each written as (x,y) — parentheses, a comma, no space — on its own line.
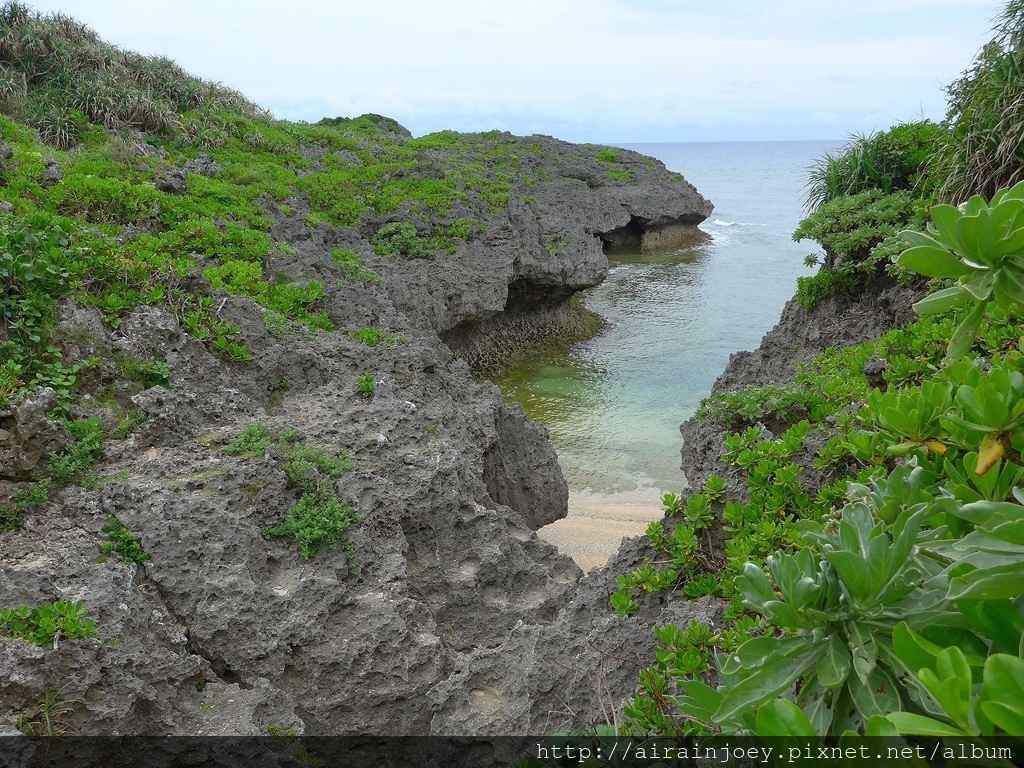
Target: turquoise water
(613,404)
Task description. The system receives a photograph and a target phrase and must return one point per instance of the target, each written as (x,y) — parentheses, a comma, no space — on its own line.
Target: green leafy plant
(71,465)
(671,505)
(956,704)
(121,543)
(623,603)
(352,267)
(698,513)
(365,383)
(373,337)
(318,517)
(981,248)
(886,161)
(254,439)
(840,604)
(909,418)
(988,412)
(401,239)
(45,624)
(715,488)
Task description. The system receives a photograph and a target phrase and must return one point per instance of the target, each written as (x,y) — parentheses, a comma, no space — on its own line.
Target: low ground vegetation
(877,588)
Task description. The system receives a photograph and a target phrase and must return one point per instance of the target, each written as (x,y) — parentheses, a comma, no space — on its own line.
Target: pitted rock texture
(451,616)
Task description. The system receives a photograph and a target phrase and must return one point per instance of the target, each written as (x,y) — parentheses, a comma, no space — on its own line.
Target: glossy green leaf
(701,701)
(835,664)
(783,718)
(767,683)
(945,218)
(853,573)
(974,233)
(1004,678)
(995,619)
(913,649)
(997,583)
(1006,716)
(950,684)
(909,724)
(932,261)
(941,301)
(880,727)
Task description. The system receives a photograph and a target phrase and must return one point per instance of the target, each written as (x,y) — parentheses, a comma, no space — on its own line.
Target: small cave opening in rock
(627,239)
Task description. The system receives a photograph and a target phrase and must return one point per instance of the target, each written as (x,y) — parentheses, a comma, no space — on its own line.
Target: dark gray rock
(52,174)
(173,182)
(455,617)
(28,436)
(203,165)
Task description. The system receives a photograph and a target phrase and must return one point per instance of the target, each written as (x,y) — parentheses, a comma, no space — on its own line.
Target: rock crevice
(450,616)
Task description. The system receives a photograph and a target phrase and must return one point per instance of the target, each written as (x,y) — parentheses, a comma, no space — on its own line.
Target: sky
(602,71)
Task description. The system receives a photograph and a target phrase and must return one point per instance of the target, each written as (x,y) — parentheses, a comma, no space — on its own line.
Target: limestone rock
(172,182)
(52,173)
(27,436)
(445,613)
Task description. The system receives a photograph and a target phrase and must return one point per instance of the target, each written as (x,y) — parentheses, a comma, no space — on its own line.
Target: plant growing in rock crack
(373,337)
(49,716)
(254,439)
(319,516)
(70,465)
(365,383)
(25,500)
(47,623)
(121,543)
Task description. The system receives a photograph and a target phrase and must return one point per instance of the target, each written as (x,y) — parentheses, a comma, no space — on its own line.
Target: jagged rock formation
(454,617)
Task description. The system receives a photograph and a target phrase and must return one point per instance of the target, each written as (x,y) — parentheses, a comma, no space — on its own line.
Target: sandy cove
(597,522)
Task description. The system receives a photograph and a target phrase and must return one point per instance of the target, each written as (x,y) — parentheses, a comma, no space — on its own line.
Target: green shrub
(887,161)
(254,439)
(121,543)
(71,464)
(9,519)
(401,239)
(316,519)
(811,291)
(373,337)
(352,267)
(365,383)
(43,625)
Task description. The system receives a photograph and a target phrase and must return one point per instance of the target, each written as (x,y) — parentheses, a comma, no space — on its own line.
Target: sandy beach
(597,523)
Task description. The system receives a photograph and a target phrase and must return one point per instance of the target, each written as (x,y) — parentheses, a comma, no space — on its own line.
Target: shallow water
(613,404)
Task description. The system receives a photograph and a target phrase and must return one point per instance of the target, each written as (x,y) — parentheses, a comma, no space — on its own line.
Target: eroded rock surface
(450,616)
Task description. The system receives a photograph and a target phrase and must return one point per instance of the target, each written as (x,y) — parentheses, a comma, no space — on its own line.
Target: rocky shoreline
(450,616)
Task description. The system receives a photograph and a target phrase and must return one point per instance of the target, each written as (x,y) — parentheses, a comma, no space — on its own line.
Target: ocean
(613,404)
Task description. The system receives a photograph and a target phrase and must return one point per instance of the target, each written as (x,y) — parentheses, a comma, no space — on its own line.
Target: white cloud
(596,70)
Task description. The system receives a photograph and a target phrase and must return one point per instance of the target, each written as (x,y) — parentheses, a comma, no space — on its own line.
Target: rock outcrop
(449,616)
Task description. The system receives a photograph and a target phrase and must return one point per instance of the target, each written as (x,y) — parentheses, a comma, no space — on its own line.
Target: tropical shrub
(906,614)
(984,149)
(887,161)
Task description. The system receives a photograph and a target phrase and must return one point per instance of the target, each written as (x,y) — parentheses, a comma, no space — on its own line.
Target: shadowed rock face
(641,236)
(515,293)
(453,617)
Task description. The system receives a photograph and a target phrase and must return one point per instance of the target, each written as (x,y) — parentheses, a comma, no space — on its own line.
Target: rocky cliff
(447,615)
